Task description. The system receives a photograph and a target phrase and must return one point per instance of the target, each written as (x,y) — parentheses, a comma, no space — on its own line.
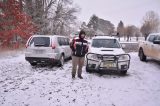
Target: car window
(66,41)
(157,37)
(151,38)
(62,41)
(59,41)
(106,43)
(40,41)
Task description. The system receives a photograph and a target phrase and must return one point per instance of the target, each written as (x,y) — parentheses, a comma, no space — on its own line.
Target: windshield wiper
(106,50)
(39,44)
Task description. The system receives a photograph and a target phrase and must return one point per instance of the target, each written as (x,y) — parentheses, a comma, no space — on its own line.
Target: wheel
(88,70)
(43,65)
(142,55)
(70,58)
(51,64)
(61,61)
(33,64)
(124,72)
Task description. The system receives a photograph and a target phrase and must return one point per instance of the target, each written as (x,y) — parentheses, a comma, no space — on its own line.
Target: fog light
(123,67)
(92,65)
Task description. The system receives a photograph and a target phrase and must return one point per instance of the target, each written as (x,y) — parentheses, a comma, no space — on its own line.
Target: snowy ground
(23,85)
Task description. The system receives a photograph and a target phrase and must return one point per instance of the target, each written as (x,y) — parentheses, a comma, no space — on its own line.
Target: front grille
(109,58)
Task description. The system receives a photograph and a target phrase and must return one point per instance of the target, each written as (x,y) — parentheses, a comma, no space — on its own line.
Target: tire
(61,61)
(43,65)
(70,58)
(88,70)
(142,55)
(124,72)
(51,65)
(33,64)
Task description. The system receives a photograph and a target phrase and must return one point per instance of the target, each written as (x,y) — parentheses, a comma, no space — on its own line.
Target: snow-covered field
(23,85)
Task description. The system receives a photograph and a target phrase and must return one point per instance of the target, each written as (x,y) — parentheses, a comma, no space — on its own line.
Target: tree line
(150,24)
(98,26)
(19,19)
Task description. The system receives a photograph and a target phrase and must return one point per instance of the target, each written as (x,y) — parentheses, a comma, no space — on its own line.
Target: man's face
(83,36)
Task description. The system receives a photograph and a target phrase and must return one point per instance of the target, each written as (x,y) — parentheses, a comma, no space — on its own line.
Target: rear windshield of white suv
(105,43)
(40,42)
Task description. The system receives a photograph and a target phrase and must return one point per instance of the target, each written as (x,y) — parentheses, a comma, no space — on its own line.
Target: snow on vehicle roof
(49,36)
(103,37)
(154,34)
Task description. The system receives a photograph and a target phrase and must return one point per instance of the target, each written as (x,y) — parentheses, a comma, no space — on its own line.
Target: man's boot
(79,76)
(73,76)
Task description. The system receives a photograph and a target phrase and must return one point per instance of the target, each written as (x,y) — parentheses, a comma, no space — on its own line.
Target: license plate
(109,65)
(39,51)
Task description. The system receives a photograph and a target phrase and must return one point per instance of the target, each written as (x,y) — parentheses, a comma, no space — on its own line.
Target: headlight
(94,57)
(123,57)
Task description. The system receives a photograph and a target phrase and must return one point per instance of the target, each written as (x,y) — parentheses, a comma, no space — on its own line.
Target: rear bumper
(51,55)
(41,60)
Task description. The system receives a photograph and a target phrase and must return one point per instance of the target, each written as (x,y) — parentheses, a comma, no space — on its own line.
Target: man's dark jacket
(79,47)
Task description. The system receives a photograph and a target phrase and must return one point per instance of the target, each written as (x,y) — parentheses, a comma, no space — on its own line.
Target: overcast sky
(129,11)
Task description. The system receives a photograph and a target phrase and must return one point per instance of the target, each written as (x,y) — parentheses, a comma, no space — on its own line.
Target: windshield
(105,43)
(40,41)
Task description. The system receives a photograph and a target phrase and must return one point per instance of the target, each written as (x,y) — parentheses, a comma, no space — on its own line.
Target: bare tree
(130,31)
(151,23)
(51,16)
(120,29)
(137,33)
(39,10)
(63,17)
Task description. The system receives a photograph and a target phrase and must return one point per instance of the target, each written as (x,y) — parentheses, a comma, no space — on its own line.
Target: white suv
(47,49)
(106,53)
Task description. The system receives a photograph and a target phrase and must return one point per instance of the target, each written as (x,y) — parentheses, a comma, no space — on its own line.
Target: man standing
(79,48)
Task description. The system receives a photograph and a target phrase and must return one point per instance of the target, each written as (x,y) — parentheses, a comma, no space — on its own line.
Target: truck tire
(142,55)
(51,65)
(33,64)
(88,70)
(61,61)
(124,72)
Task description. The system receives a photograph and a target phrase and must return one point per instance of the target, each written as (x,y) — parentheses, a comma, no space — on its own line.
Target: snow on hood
(110,51)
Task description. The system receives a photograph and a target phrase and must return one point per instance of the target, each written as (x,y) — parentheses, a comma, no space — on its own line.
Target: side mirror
(156,42)
(123,46)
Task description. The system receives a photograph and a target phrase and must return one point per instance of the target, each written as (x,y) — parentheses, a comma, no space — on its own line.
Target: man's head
(82,34)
